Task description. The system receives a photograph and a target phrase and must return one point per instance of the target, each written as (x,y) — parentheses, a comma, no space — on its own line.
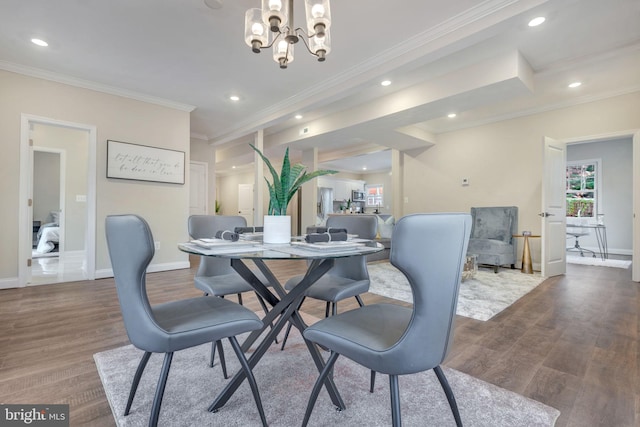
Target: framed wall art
(144,163)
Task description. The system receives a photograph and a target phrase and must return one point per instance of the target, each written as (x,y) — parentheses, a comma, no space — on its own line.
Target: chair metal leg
(450,397)
(396,420)
(326,310)
(240,298)
(286,335)
(213,353)
(162,382)
(334,310)
(250,378)
(360,302)
(223,364)
(136,380)
(328,367)
(373,381)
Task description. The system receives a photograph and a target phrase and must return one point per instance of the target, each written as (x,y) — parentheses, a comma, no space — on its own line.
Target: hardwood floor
(571,343)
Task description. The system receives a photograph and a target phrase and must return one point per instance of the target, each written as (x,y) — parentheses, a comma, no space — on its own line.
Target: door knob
(545,214)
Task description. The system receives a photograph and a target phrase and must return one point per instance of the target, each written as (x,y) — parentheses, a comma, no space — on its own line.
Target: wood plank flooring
(571,343)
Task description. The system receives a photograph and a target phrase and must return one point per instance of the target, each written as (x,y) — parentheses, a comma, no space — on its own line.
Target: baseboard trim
(11,282)
(153,268)
(613,251)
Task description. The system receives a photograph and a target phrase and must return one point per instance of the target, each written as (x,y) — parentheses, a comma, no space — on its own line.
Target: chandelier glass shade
(273,26)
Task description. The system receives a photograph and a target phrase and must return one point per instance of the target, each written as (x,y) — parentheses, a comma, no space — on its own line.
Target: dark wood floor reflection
(571,343)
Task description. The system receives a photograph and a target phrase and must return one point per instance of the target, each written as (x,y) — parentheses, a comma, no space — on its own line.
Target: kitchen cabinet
(342,188)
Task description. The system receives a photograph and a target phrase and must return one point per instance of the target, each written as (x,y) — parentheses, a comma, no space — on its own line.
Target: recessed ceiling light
(575,85)
(298,116)
(536,21)
(451,115)
(234,98)
(233,167)
(385,82)
(364,168)
(40,42)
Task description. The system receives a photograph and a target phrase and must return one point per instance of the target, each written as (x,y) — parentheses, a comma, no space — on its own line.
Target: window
(582,188)
(374,195)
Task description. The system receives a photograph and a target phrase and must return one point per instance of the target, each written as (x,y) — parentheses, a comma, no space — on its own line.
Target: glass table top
(293,250)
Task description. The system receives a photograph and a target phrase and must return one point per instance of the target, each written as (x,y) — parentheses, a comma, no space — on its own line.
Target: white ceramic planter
(277,229)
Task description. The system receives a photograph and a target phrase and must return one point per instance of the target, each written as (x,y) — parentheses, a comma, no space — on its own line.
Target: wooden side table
(526,253)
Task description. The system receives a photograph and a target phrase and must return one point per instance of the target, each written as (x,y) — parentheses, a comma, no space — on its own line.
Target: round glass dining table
(320,259)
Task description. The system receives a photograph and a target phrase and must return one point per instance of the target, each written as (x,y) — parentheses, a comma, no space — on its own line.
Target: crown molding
(87,84)
(582,61)
(407,51)
(200,136)
(549,107)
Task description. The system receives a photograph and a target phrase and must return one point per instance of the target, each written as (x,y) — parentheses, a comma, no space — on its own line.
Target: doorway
(245,202)
(198,188)
(635,184)
(59,214)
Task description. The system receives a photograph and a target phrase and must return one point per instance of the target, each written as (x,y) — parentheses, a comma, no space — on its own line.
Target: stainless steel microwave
(357,196)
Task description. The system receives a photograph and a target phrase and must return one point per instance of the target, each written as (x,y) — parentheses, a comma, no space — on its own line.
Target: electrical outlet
(465,181)
(156,245)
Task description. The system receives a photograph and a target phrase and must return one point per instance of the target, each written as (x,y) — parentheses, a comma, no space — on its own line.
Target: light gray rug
(480,298)
(599,262)
(285,379)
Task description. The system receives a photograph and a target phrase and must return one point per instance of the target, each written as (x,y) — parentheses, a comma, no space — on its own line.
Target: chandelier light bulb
(317,11)
(283,53)
(275,14)
(257,29)
(275,5)
(254,30)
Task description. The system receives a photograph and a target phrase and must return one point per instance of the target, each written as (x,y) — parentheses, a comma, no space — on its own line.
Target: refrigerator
(325,202)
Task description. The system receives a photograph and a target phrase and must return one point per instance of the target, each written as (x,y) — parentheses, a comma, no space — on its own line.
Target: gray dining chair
(172,326)
(429,249)
(215,276)
(349,277)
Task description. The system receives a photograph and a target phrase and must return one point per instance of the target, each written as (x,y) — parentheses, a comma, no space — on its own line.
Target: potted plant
(281,191)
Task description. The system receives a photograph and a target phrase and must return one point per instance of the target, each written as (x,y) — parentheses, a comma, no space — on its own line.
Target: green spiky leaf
(284,186)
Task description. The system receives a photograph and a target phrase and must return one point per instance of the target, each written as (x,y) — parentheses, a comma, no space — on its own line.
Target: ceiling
(478,59)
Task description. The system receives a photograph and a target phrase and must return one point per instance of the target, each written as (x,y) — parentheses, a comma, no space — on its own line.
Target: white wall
(503,160)
(165,206)
(615,197)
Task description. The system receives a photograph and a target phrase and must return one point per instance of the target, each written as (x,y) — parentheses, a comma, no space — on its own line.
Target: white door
(198,188)
(554,208)
(245,202)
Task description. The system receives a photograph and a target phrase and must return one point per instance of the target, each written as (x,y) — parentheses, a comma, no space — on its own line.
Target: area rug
(285,379)
(599,262)
(480,298)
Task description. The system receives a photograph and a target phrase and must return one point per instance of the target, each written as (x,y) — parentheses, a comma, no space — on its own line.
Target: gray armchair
(172,326)
(391,339)
(492,233)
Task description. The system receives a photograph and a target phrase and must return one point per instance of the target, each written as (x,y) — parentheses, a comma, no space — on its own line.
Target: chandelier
(276,18)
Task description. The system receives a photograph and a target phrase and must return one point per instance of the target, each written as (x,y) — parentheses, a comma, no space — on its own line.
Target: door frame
(634,134)
(25,212)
